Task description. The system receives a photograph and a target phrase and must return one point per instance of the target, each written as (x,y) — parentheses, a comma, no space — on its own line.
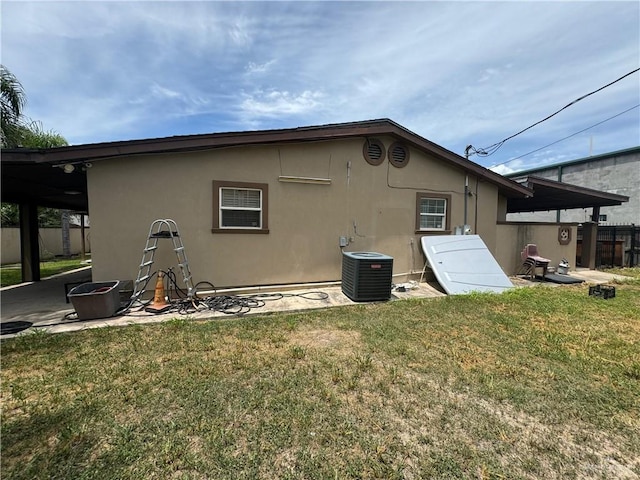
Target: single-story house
(277,207)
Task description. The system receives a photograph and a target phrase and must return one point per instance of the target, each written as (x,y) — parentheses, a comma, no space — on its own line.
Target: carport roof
(552,195)
(26,180)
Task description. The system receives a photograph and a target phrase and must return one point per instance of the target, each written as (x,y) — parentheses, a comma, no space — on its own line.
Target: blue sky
(456,73)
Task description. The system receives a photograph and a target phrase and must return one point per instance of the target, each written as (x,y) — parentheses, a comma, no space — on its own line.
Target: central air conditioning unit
(366,276)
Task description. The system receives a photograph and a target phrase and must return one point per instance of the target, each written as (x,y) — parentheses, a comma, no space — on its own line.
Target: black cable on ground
(185,305)
(237,304)
(132,301)
(227,304)
(172,279)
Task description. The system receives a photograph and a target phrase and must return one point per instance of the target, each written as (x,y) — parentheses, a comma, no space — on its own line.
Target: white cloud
(161,92)
(275,103)
(502,169)
(259,68)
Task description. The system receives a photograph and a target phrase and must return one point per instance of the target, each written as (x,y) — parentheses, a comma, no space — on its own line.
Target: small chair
(531,260)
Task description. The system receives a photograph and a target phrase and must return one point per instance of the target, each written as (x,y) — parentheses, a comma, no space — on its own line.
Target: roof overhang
(37,175)
(44,184)
(17,163)
(552,195)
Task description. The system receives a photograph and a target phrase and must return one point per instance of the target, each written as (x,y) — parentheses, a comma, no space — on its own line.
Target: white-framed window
(432,212)
(239,207)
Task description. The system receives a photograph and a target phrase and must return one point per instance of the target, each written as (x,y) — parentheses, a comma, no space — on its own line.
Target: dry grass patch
(339,340)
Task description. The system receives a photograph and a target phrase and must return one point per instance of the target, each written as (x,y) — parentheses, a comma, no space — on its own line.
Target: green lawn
(12,275)
(535,383)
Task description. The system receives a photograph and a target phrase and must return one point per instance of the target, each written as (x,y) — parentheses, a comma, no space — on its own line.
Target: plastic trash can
(95,300)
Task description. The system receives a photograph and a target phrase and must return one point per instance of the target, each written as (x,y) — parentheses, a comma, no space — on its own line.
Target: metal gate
(617,245)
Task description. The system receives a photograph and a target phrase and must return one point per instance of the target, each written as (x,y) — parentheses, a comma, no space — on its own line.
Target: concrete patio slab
(43,301)
(43,304)
(596,276)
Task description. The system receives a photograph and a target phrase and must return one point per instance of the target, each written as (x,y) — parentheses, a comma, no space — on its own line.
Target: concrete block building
(616,172)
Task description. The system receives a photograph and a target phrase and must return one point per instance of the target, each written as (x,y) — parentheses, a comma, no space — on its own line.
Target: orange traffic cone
(159,303)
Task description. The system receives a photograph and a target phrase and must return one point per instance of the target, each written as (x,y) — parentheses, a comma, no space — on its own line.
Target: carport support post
(589,237)
(82,234)
(66,239)
(29,247)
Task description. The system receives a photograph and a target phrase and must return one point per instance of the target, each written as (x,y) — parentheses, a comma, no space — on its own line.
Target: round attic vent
(373,151)
(399,155)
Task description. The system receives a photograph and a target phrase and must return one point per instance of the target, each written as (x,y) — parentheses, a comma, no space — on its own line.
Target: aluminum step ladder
(159,230)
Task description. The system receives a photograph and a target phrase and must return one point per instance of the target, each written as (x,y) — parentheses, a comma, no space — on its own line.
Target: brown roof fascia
(184,143)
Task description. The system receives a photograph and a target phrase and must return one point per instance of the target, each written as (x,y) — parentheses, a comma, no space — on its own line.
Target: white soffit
(463,264)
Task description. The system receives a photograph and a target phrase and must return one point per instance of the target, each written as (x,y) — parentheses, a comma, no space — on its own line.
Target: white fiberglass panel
(464,264)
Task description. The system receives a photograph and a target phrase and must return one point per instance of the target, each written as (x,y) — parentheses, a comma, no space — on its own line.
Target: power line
(490,150)
(565,138)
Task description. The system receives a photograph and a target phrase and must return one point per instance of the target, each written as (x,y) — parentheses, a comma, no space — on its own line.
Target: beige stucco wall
(374,206)
(513,236)
(484,201)
(50,240)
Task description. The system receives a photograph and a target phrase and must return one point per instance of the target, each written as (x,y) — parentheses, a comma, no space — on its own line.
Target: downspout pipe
(466,201)
(466,191)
